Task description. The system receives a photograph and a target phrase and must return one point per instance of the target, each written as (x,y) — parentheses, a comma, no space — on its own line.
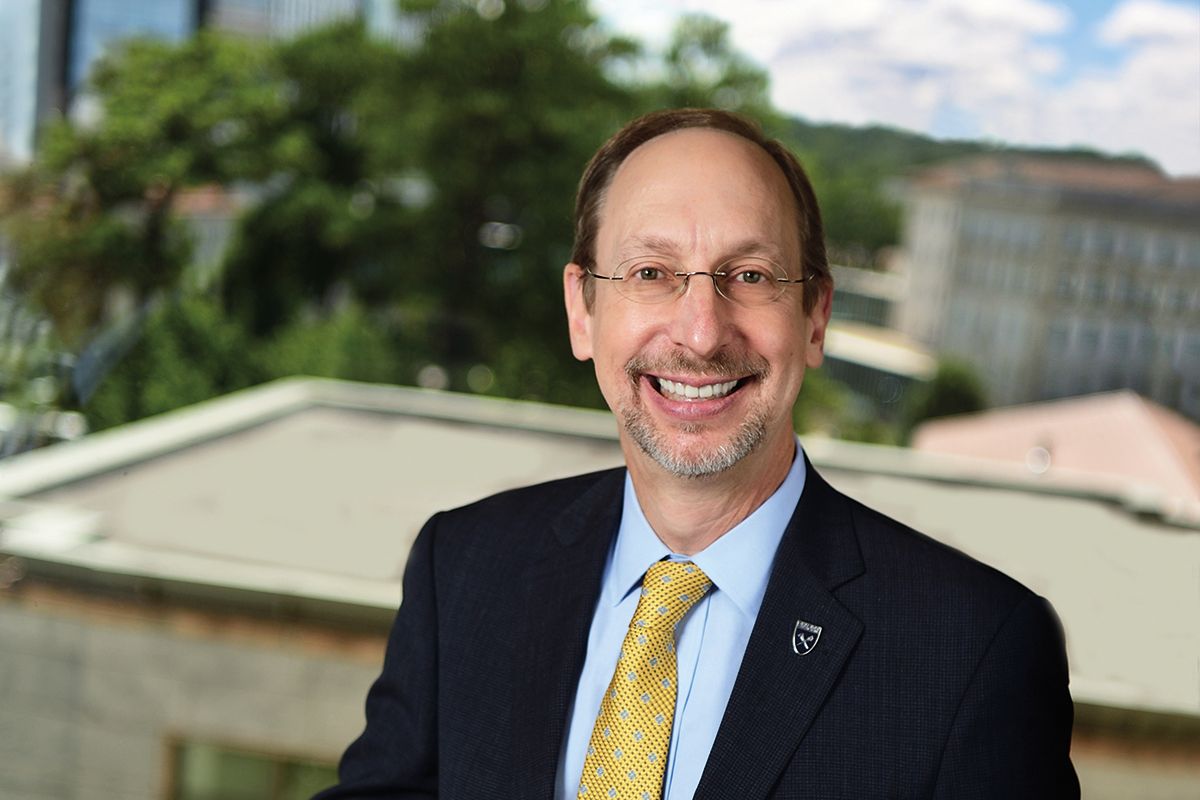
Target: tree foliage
(702,69)
(188,352)
(955,389)
(93,214)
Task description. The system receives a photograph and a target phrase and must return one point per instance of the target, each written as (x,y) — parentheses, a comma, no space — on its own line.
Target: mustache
(722,365)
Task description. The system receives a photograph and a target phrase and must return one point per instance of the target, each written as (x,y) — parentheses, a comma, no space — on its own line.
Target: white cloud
(1151,102)
(1150,19)
(912,62)
(990,68)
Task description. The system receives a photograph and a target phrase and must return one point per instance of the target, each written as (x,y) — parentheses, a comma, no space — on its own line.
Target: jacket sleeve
(1012,734)
(396,757)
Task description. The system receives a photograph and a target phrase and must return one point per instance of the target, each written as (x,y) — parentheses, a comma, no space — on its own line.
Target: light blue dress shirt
(710,641)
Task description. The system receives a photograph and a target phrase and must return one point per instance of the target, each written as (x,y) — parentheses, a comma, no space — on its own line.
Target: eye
(645,271)
(749,274)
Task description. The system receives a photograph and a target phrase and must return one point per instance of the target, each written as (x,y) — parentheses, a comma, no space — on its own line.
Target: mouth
(680,391)
(710,384)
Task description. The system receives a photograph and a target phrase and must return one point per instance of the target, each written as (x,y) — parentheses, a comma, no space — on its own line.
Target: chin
(684,461)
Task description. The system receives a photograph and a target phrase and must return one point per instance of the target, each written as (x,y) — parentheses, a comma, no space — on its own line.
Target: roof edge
(1145,500)
(45,468)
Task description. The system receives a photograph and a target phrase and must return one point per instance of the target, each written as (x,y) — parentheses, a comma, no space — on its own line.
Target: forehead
(701,189)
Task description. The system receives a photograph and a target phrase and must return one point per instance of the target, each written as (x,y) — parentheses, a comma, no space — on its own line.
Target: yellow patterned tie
(627,755)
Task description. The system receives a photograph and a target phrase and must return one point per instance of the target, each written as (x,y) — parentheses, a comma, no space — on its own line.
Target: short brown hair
(604,165)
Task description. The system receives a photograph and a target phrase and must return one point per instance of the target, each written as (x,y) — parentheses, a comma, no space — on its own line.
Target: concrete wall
(93,693)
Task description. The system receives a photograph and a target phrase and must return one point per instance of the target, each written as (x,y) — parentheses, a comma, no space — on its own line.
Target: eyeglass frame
(687,275)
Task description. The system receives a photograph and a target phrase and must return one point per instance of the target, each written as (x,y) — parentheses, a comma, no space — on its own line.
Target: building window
(1072,242)
(1143,297)
(1057,341)
(1191,254)
(1118,341)
(1102,241)
(1089,339)
(1188,353)
(1132,246)
(1123,290)
(1147,344)
(204,771)
(1162,251)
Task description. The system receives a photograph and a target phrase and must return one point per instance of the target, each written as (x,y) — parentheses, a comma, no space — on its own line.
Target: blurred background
(200,199)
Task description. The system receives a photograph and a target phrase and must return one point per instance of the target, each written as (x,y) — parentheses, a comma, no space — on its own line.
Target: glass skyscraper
(99,24)
(20,22)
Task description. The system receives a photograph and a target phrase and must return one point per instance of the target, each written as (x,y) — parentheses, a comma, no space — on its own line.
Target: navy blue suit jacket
(934,676)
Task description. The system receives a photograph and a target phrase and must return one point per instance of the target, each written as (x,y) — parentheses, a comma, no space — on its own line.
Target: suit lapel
(561,588)
(778,692)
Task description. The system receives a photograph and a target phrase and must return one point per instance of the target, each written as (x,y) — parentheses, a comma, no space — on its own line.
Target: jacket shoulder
(886,539)
(909,570)
(546,500)
(516,520)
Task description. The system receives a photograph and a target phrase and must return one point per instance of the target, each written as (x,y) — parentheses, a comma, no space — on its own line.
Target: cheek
(612,350)
(783,340)
(621,336)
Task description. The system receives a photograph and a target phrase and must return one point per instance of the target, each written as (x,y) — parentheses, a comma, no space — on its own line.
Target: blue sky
(1117,75)
(1079,42)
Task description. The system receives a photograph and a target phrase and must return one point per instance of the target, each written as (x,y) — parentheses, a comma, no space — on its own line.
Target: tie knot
(669,589)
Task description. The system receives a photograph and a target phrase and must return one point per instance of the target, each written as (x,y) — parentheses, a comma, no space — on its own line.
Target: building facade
(33,37)
(864,351)
(48,47)
(1057,277)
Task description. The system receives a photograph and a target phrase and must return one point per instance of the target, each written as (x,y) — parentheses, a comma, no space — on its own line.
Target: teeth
(680,390)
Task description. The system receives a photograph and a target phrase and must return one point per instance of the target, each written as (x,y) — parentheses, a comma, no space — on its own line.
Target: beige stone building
(1057,277)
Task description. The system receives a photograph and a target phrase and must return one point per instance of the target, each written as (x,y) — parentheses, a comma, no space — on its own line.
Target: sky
(1121,76)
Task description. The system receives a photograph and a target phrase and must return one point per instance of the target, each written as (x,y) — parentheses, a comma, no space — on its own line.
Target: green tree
(820,404)
(440,184)
(93,214)
(316,225)
(954,389)
(191,351)
(188,352)
(702,69)
(478,139)
(347,344)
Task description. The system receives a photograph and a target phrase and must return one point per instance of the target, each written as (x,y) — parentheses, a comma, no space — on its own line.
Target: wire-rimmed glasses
(746,280)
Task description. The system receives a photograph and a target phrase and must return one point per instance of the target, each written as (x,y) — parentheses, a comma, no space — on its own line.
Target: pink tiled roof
(1114,433)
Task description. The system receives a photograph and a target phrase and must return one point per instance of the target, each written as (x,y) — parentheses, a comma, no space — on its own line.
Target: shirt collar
(738,563)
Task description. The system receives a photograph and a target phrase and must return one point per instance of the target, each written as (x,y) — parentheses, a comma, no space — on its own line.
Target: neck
(689,514)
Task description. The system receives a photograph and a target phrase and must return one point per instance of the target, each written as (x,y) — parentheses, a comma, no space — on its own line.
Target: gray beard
(656,444)
(653,443)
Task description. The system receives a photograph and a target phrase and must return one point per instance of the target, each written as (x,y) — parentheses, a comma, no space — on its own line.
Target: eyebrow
(645,245)
(661,245)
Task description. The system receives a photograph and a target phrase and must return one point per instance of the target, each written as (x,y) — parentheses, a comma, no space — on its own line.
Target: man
(715,621)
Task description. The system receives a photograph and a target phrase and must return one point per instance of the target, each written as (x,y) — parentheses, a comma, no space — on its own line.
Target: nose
(700,318)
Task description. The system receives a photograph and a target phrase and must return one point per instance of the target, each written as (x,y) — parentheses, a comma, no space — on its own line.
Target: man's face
(701,197)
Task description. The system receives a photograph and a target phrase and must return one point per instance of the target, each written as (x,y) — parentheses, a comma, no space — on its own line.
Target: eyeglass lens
(748,281)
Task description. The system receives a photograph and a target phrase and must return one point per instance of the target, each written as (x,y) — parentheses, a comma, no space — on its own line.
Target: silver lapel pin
(805,636)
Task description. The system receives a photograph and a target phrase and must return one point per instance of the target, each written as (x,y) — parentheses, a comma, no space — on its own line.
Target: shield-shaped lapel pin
(805,636)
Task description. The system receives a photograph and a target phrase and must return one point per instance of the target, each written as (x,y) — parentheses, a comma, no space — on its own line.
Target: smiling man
(714,621)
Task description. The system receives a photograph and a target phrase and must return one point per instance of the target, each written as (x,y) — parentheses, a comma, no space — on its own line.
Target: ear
(579,317)
(816,326)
